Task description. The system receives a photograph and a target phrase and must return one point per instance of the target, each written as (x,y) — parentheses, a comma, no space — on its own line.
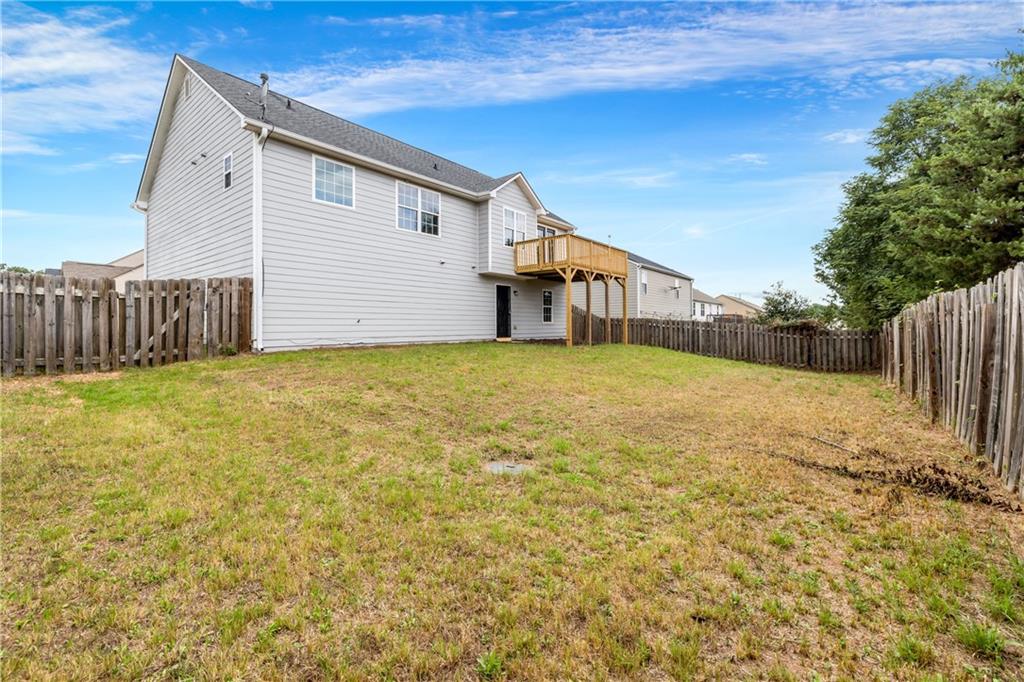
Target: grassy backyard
(328,515)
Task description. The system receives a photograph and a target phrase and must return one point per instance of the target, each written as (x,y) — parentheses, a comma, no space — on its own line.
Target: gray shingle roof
(648,263)
(701,297)
(302,119)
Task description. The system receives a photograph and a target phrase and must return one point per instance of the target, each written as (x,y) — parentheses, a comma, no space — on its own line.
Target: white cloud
(695,231)
(256,4)
(844,48)
(71,74)
(12,142)
(638,178)
(126,158)
(847,136)
(749,159)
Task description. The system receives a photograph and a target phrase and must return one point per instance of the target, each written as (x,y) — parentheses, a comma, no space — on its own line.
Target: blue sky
(711,137)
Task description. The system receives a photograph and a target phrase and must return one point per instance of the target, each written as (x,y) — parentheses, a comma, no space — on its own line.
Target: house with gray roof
(653,290)
(705,307)
(351,236)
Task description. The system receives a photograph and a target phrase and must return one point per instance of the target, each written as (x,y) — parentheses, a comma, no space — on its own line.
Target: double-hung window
(227,170)
(675,286)
(419,210)
(515,226)
(547,304)
(643,282)
(545,231)
(333,182)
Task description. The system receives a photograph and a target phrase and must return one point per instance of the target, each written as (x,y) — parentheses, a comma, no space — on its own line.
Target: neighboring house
(735,306)
(705,308)
(653,290)
(121,270)
(350,236)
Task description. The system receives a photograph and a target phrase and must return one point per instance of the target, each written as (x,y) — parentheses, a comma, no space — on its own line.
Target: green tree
(783,305)
(943,204)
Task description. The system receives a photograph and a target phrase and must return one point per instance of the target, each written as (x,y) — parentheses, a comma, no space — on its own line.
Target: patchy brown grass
(327,515)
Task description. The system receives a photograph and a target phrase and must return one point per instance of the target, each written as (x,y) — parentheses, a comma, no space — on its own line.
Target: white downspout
(257,237)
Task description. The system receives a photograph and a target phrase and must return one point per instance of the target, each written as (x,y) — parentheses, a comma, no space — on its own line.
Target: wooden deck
(554,256)
(569,258)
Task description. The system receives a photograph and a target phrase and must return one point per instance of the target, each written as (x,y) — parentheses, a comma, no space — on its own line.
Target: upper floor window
(333,182)
(419,210)
(227,170)
(643,282)
(675,287)
(545,231)
(547,303)
(515,226)
(186,88)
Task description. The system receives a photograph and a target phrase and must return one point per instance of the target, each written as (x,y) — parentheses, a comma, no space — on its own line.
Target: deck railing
(548,254)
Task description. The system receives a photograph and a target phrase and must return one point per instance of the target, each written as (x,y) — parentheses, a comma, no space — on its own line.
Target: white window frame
(550,309)
(643,282)
(543,232)
(702,312)
(227,172)
(312,181)
(675,285)
(517,234)
(419,210)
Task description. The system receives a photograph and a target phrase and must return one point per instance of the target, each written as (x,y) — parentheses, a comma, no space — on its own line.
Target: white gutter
(257,235)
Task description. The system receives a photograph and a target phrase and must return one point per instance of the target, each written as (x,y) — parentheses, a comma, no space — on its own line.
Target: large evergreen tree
(943,204)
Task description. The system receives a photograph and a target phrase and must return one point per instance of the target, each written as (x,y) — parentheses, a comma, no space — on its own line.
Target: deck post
(568,274)
(607,310)
(590,322)
(625,312)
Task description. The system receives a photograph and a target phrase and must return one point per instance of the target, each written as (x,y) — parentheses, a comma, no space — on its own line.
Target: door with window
(503,308)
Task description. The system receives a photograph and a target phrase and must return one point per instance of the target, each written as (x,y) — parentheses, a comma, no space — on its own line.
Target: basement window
(547,303)
(227,170)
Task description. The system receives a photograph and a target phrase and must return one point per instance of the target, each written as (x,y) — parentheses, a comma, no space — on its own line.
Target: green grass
(327,515)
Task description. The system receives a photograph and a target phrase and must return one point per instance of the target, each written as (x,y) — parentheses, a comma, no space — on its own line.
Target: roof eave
(298,140)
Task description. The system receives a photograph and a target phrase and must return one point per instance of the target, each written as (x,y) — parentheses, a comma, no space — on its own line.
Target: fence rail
(818,349)
(961,355)
(54,324)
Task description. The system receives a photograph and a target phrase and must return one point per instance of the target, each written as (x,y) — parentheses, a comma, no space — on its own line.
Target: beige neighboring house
(705,308)
(734,305)
(121,270)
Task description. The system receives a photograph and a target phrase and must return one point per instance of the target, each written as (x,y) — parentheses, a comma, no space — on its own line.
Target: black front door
(504,311)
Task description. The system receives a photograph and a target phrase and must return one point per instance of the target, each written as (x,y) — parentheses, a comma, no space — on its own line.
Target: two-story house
(350,236)
(705,307)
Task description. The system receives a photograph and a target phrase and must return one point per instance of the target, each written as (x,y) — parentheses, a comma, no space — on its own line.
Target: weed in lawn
(981,640)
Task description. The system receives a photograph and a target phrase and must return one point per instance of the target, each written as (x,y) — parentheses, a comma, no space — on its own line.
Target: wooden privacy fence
(820,349)
(961,354)
(64,324)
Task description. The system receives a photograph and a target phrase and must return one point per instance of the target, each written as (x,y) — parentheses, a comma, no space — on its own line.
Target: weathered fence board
(961,355)
(57,324)
(819,349)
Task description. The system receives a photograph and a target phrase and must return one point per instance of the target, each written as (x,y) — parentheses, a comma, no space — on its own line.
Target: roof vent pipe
(264,88)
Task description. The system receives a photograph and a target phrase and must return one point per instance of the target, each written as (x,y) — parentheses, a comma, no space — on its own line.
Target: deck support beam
(625,312)
(568,274)
(590,322)
(607,309)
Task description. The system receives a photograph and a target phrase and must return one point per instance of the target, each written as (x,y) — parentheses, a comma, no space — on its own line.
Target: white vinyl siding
(350,277)
(194,228)
(333,183)
(502,259)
